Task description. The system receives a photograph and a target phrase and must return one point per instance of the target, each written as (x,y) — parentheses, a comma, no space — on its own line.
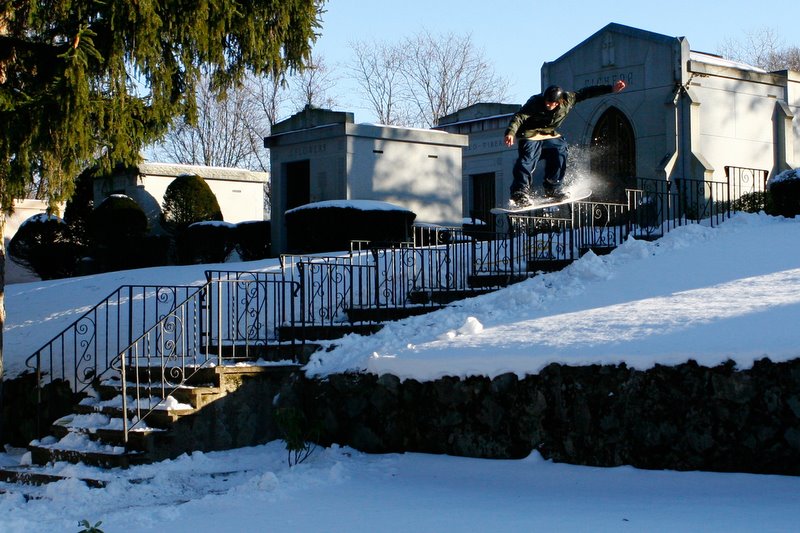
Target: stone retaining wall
(685,417)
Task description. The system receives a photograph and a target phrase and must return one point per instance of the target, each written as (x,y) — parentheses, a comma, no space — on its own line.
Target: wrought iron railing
(83,351)
(229,318)
(658,206)
(246,310)
(164,357)
(543,241)
(172,327)
(331,286)
(600,226)
(744,181)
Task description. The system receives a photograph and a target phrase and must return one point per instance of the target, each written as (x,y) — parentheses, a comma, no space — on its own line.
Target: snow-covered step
(195,396)
(161,413)
(11,477)
(104,428)
(77,447)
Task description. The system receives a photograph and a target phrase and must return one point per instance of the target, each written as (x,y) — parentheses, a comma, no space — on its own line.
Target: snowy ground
(704,293)
(342,490)
(709,294)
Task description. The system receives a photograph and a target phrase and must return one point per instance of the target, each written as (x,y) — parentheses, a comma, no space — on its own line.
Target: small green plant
(88,528)
(753,202)
(298,433)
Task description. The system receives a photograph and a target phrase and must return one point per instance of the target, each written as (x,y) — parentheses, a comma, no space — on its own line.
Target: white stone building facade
(240,193)
(684,114)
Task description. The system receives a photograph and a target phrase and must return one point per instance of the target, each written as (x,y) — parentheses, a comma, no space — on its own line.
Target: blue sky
(517,37)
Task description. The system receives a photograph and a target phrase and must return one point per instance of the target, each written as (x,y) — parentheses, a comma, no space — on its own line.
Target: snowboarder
(534,126)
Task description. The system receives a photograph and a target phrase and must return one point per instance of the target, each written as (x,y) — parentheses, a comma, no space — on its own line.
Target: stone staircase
(208,408)
(213,408)
(193,415)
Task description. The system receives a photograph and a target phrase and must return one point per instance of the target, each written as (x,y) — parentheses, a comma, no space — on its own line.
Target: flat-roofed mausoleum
(319,155)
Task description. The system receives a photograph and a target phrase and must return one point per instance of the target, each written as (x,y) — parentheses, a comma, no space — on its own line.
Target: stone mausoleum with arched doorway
(684,114)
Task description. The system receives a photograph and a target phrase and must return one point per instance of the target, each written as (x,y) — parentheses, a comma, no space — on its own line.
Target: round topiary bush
(43,245)
(784,189)
(187,200)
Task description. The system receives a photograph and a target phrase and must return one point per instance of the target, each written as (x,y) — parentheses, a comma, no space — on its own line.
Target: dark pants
(554,154)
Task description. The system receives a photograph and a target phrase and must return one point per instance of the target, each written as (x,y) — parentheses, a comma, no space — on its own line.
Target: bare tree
(762,48)
(377,69)
(226,131)
(312,87)
(447,73)
(270,95)
(420,79)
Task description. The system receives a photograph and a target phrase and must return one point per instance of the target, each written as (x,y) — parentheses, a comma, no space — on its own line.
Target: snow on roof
(205,172)
(712,59)
(363,205)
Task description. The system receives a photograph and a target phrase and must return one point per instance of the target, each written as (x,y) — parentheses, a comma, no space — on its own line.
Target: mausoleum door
(483,197)
(298,183)
(613,156)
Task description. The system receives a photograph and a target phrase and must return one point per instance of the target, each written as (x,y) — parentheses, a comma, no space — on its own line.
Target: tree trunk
(2,306)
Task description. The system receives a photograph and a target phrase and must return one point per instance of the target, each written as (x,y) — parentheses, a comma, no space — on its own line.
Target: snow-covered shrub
(43,245)
(206,242)
(784,189)
(330,226)
(253,239)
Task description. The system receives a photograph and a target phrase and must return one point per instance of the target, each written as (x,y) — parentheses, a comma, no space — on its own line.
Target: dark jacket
(533,118)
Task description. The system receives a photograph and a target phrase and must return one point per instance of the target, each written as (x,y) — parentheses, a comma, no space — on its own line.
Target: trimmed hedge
(327,227)
(206,242)
(254,239)
(785,192)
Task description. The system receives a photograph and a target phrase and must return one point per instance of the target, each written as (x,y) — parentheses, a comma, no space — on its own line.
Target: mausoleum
(240,192)
(318,155)
(684,114)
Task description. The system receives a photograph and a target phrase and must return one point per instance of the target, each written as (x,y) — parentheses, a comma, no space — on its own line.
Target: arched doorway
(613,156)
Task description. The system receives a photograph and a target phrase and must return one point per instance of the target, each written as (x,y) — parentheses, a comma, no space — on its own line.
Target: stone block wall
(685,417)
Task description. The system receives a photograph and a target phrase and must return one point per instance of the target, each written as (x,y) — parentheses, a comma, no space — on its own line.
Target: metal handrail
(175,338)
(83,350)
(195,333)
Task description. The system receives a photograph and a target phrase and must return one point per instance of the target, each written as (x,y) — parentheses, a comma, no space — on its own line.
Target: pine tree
(92,81)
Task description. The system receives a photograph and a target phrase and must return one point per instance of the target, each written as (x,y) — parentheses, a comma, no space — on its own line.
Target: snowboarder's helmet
(554,93)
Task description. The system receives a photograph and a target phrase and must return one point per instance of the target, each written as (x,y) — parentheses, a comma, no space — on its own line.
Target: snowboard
(540,203)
